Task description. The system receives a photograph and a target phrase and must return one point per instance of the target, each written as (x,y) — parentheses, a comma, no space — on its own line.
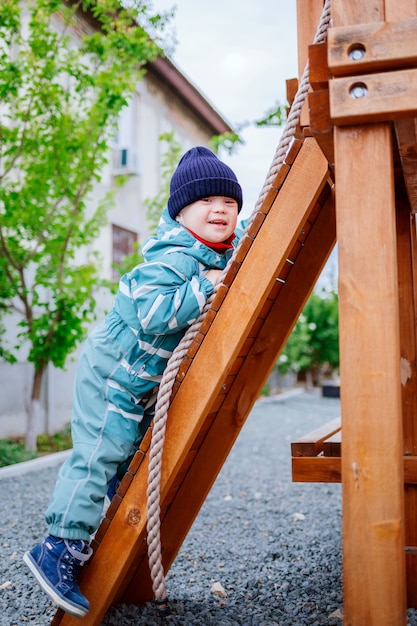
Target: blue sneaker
(55,563)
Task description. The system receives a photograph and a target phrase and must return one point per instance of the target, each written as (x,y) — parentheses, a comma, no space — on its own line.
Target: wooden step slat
(312,443)
(316,456)
(332,446)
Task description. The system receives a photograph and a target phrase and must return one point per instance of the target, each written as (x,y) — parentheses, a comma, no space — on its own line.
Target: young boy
(125,356)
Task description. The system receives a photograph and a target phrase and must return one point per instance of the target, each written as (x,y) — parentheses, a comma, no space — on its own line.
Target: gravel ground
(274,546)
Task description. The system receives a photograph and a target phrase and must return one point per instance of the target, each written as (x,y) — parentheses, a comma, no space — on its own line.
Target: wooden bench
(316,456)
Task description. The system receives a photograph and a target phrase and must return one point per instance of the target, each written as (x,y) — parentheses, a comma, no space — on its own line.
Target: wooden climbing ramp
(352,165)
(287,245)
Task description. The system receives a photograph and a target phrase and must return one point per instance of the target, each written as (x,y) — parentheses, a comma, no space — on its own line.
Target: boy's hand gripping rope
(168,378)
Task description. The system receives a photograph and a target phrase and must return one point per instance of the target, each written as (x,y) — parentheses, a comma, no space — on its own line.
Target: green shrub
(55,443)
(13,450)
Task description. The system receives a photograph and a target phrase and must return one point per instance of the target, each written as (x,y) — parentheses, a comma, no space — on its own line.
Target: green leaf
(62,89)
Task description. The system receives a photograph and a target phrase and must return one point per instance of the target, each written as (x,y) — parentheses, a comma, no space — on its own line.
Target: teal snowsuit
(121,366)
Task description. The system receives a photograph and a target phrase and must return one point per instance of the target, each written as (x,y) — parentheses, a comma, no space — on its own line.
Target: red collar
(217,247)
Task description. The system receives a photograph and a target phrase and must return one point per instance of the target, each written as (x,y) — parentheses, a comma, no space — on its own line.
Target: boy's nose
(219,206)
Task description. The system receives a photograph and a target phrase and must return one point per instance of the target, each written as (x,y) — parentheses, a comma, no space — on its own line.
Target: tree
(61,93)
(313,346)
(274,116)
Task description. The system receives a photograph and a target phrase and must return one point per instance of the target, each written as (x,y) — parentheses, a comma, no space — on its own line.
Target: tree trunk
(309,380)
(34,410)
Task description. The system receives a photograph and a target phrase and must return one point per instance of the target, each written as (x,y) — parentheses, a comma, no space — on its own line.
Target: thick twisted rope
(170,373)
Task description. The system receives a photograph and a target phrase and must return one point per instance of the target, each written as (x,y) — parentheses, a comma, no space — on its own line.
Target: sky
(238,53)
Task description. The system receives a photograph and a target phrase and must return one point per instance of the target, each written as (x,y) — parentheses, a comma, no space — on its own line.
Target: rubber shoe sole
(46,586)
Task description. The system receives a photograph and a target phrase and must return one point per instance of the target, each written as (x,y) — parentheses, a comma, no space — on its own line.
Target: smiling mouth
(218,222)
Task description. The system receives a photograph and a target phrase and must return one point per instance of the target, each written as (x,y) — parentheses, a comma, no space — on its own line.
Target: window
(125,154)
(123,244)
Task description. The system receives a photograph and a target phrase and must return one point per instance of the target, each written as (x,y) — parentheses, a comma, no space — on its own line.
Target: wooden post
(407,277)
(407,267)
(308,17)
(372,470)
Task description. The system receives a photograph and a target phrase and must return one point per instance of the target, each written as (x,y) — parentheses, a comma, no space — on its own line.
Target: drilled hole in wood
(358,90)
(356,51)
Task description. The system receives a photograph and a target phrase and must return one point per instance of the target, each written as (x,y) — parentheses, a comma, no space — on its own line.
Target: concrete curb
(281,397)
(18,469)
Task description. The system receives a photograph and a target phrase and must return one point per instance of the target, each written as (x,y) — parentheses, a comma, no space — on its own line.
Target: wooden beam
(354,12)
(372,465)
(333,445)
(366,48)
(311,444)
(369,98)
(373,514)
(316,469)
(375,47)
(407,276)
(247,294)
(321,126)
(200,392)
(240,397)
(328,469)
(407,241)
(406,8)
(308,17)
(406,133)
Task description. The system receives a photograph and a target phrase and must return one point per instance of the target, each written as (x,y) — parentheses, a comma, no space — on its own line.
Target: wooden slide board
(284,252)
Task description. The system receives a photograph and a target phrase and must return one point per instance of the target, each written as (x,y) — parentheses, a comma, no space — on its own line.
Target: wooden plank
(406,244)
(308,17)
(380,97)
(356,12)
(202,384)
(311,444)
(373,524)
(248,293)
(239,401)
(410,478)
(319,74)
(321,126)
(328,469)
(406,8)
(373,499)
(319,469)
(406,133)
(291,89)
(406,138)
(332,446)
(407,276)
(379,46)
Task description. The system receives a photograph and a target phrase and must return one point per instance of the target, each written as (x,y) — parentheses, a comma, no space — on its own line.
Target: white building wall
(154,110)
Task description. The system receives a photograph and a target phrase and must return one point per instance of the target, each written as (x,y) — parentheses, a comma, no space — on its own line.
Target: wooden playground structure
(352,168)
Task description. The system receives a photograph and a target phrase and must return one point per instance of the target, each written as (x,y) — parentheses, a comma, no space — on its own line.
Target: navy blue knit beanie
(201,174)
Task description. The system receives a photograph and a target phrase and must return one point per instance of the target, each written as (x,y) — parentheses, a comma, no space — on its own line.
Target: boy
(125,356)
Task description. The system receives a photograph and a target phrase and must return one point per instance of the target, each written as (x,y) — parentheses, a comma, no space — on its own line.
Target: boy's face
(213,218)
